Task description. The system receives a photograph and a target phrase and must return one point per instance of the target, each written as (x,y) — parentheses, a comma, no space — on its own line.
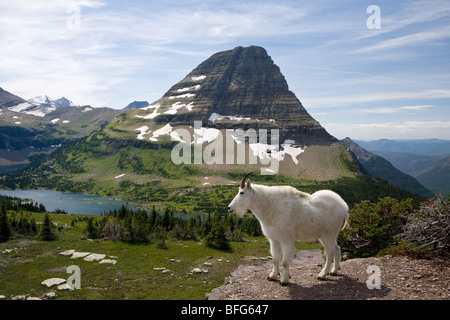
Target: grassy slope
(132,277)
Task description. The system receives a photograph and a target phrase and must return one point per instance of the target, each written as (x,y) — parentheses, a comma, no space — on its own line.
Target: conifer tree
(47,233)
(217,238)
(152,218)
(5,232)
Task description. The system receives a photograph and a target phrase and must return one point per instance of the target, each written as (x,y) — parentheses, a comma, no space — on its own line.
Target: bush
(161,236)
(112,231)
(375,226)
(429,228)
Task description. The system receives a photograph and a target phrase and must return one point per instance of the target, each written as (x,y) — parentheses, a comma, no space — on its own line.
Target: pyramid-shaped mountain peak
(161,146)
(240,85)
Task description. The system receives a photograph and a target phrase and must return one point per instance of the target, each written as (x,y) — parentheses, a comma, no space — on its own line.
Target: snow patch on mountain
(178,105)
(207,135)
(216,117)
(196,87)
(46,101)
(150,115)
(20,107)
(142,133)
(27,108)
(40,106)
(182,96)
(161,132)
(198,78)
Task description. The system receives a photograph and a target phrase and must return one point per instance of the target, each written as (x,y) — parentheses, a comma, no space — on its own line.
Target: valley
(183,154)
(426,160)
(239,95)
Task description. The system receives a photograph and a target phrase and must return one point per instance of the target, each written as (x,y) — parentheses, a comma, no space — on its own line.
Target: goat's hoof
(271,279)
(284,284)
(333,273)
(322,278)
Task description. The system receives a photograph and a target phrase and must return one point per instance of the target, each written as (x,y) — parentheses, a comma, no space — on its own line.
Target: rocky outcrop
(399,278)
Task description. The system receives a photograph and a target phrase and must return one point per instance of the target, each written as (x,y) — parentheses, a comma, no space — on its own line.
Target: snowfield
(27,108)
(198,78)
(196,87)
(183,96)
(161,132)
(215,117)
(143,132)
(178,105)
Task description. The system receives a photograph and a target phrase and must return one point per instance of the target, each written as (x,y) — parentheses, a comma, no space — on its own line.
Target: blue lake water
(72,203)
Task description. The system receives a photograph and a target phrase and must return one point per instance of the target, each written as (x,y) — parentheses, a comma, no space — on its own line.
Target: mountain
(9,100)
(381,168)
(241,89)
(243,82)
(232,114)
(437,177)
(27,131)
(136,105)
(45,101)
(426,159)
(416,146)
(410,163)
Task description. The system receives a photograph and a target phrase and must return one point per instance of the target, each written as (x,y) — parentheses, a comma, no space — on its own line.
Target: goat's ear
(248,184)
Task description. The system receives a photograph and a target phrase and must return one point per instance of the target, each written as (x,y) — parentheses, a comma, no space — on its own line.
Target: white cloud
(347,100)
(390,110)
(416,107)
(414,39)
(391,130)
(116,43)
(136,51)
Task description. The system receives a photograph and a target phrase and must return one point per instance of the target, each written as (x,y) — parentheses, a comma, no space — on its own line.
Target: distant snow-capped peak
(46,101)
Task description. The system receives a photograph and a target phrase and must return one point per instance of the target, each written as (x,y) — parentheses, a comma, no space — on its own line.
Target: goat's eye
(242,192)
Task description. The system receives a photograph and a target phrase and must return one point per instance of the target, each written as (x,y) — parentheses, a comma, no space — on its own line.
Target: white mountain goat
(287,215)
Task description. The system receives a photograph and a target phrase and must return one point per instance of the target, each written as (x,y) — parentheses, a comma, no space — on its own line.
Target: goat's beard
(239,213)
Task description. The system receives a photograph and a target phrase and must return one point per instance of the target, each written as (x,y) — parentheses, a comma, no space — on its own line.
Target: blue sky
(391,82)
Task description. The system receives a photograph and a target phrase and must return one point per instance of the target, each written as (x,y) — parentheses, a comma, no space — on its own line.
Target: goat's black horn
(243,180)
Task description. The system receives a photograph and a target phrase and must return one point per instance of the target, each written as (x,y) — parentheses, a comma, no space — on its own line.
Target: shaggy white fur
(287,215)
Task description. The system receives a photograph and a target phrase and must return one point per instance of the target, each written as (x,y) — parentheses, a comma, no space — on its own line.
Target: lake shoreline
(72,203)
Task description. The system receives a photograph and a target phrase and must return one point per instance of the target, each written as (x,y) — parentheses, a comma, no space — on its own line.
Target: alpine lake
(72,203)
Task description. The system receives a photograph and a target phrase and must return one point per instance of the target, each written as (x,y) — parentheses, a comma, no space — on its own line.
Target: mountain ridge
(415,146)
(381,168)
(28,131)
(45,101)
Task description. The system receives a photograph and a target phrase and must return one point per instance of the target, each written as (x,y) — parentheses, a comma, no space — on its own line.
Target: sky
(364,69)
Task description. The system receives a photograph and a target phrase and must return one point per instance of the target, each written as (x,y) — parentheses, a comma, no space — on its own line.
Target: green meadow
(27,261)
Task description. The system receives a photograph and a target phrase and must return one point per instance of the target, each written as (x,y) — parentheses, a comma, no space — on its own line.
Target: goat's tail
(346,221)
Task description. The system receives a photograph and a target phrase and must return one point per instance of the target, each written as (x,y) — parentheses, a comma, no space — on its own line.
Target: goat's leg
(275,250)
(288,250)
(328,247)
(337,260)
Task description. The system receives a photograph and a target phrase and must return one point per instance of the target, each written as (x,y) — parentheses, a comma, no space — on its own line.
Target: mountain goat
(287,215)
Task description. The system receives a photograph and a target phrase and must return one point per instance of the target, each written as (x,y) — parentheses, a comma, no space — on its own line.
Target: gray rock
(52,281)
